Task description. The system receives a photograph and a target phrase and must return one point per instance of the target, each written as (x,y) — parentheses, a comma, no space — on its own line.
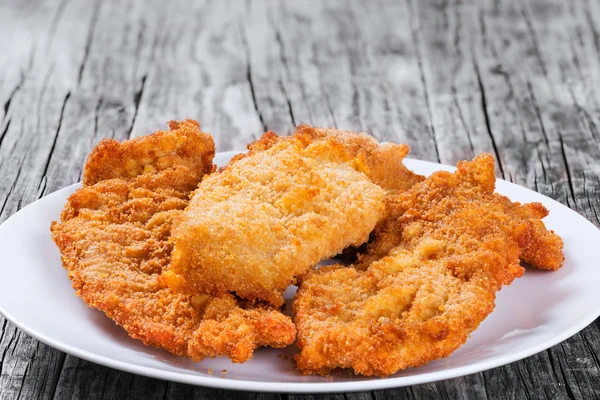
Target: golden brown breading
(543,248)
(274,213)
(113,237)
(162,150)
(429,279)
(385,166)
(384,161)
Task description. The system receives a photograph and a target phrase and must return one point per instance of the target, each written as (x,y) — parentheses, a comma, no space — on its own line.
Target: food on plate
(113,236)
(385,165)
(427,280)
(272,214)
(196,261)
(182,146)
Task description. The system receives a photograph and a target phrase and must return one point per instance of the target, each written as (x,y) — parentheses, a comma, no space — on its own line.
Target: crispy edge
(185,262)
(542,248)
(376,352)
(184,144)
(227,329)
(384,162)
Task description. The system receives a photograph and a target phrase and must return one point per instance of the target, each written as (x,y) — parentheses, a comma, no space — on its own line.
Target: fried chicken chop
(114,241)
(384,161)
(275,212)
(427,280)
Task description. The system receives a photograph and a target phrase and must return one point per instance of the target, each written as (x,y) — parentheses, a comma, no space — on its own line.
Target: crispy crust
(542,248)
(428,279)
(160,151)
(280,209)
(113,238)
(384,164)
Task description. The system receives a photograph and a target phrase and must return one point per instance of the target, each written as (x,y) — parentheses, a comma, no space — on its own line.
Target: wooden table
(451,78)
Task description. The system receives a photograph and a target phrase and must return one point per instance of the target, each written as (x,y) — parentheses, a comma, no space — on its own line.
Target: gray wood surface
(450,78)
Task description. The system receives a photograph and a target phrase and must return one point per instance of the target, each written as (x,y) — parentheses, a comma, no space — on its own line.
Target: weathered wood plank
(449,78)
(200,70)
(335,75)
(32,92)
(532,93)
(317,397)
(509,102)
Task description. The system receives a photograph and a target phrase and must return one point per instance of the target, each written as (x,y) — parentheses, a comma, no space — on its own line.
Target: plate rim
(310,387)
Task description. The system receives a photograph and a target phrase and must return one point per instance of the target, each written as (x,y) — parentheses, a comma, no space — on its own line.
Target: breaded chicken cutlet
(273,213)
(427,280)
(114,241)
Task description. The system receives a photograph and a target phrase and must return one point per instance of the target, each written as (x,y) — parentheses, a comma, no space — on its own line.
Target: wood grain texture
(451,78)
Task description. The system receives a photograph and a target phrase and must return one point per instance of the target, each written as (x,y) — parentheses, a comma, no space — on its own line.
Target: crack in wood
(137,97)
(3,330)
(442,390)
(591,348)
(523,378)
(13,93)
(4,132)
(581,391)
(543,167)
(289,103)
(13,185)
(96,117)
(482,28)
(562,375)
(284,62)
(462,119)
(484,108)
(139,46)
(166,393)
(60,367)
(506,76)
(590,124)
(538,112)
(60,121)
(412,393)
(14,146)
(105,382)
(457,41)
(589,202)
(88,42)
(485,385)
(356,111)
(328,103)
(23,379)
(416,43)
(246,47)
(567,169)
(10,342)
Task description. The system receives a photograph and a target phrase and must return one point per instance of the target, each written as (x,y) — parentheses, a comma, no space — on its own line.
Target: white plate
(535,312)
